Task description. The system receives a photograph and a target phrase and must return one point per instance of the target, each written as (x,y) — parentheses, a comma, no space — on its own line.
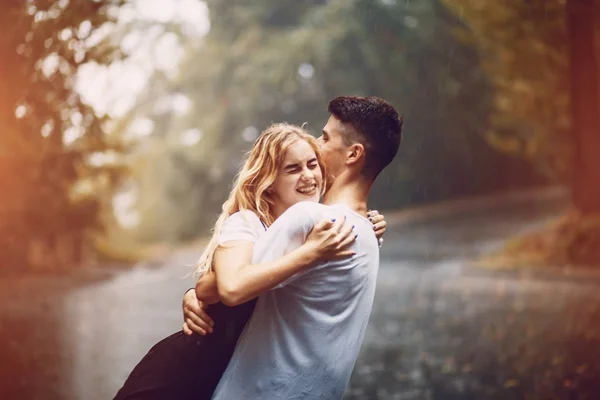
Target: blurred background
(123,123)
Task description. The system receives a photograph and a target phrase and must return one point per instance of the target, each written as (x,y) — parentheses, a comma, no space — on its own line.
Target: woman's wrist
(309,253)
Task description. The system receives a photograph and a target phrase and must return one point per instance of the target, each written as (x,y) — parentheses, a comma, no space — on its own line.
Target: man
(303,338)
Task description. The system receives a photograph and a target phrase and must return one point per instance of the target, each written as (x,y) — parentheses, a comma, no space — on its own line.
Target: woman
(282,169)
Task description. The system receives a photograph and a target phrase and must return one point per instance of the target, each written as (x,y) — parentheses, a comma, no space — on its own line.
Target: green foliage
(525,53)
(267,61)
(46,132)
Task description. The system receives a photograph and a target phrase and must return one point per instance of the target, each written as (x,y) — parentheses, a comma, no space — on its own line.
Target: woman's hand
(330,240)
(378,222)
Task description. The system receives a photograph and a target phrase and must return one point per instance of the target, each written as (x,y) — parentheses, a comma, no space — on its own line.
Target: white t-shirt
(242,225)
(303,338)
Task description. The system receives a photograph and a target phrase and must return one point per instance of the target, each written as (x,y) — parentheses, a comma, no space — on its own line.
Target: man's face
(333,149)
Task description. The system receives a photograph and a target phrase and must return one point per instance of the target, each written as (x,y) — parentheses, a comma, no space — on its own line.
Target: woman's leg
(177,367)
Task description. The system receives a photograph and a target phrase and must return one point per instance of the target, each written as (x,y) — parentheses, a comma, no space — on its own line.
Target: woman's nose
(307,174)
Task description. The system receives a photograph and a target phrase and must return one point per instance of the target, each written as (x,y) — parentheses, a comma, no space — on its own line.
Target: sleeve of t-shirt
(286,234)
(243,225)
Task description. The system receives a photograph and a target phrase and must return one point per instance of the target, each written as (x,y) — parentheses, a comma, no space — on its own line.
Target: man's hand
(195,318)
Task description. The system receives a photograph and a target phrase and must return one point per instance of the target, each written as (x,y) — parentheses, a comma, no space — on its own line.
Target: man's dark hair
(375,124)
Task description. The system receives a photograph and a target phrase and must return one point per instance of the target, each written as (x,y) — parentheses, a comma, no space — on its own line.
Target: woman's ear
(356,152)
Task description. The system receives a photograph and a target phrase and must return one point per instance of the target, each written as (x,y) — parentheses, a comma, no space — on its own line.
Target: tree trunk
(585,106)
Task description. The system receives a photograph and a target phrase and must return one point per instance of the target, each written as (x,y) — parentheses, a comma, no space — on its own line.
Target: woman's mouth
(307,190)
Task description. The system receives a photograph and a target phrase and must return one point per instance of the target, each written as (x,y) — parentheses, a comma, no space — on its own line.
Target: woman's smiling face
(299,177)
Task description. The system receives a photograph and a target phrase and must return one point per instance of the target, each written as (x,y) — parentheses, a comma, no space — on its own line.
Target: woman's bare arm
(238,281)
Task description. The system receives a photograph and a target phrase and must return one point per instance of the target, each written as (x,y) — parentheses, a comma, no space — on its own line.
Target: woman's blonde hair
(258,173)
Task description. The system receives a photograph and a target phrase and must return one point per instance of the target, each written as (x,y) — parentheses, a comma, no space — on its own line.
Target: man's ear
(356,153)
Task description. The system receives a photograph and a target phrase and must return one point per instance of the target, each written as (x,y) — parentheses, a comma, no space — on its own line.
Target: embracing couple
(286,284)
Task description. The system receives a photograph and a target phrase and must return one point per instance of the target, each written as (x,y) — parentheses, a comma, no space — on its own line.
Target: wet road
(439,330)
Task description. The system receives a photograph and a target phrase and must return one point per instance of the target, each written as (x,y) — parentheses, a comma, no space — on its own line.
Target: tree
(271,61)
(47,134)
(585,126)
(541,58)
(535,62)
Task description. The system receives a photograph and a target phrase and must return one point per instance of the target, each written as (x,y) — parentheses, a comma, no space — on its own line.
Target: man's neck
(349,192)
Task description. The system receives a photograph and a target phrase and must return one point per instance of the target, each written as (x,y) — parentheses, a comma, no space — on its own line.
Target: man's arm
(195,318)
